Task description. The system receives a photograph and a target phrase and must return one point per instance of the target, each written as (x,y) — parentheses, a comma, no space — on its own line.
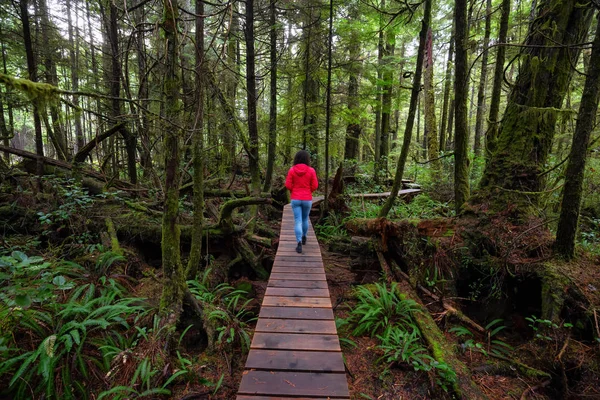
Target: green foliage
(546,330)
(493,345)
(380,309)
(66,322)
(226,308)
(331,228)
(422,206)
(73,199)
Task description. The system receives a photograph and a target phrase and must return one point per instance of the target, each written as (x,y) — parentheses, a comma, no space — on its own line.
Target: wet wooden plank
(294,383)
(298,270)
(292,341)
(297,292)
(280,301)
(297,284)
(257,397)
(299,277)
(289,360)
(294,264)
(296,326)
(295,312)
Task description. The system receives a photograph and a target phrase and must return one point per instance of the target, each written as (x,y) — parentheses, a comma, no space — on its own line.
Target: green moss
(41,93)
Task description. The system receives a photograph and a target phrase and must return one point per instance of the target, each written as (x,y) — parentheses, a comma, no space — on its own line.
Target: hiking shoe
(299,247)
(303,239)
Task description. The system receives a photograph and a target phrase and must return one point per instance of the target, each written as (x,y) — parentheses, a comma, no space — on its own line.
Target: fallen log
(441,350)
(65,165)
(85,150)
(401,193)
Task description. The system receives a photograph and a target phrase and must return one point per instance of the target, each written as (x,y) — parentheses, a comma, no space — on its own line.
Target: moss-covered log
(441,350)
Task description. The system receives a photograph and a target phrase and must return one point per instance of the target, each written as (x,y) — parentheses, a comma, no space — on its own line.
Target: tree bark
(416,87)
(572,192)
(461,87)
(529,122)
(195,259)
(447,84)
(174,277)
(482,80)
(73,56)
(252,97)
(32,71)
(328,102)
(492,131)
(353,129)
(273,100)
(430,120)
(386,99)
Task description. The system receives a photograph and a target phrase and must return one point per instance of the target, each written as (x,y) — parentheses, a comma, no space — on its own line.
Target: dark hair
(302,157)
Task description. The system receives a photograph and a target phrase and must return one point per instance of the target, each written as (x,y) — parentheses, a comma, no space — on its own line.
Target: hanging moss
(40,93)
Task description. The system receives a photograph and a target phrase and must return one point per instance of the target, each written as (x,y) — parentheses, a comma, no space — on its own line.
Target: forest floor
(567,356)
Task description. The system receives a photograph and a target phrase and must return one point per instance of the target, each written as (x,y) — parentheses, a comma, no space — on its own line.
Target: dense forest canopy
(164,130)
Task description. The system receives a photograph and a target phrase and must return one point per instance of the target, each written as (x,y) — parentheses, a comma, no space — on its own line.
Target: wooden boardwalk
(295,352)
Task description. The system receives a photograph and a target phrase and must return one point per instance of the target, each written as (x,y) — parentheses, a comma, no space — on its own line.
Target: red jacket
(301,181)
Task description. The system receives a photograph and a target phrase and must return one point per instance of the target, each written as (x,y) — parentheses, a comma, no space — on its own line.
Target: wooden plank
(255,397)
(297,292)
(294,383)
(299,257)
(295,360)
(295,312)
(299,270)
(299,277)
(294,271)
(296,326)
(281,301)
(292,341)
(297,284)
(295,264)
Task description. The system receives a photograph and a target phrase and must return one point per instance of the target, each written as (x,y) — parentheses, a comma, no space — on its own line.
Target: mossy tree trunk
(430,120)
(32,70)
(353,129)
(410,120)
(386,98)
(461,88)
(569,214)
(273,95)
(174,278)
(513,174)
(195,258)
(483,80)
(492,131)
(447,84)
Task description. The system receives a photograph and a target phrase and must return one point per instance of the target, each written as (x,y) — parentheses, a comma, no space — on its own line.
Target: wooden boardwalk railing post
(295,352)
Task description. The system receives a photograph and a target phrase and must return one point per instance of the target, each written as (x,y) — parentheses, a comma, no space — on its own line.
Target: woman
(301,181)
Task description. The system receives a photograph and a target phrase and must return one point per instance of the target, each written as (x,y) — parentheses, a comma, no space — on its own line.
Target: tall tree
(529,122)
(195,258)
(461,87)
(252,97)
(430,120)
(353,128)
(174,277)
(482,80)
(273,100)
(447,85)
(410,120)
(328,101)
(492,132)
(572,191)
(32,71)
(386,96)
(74,63)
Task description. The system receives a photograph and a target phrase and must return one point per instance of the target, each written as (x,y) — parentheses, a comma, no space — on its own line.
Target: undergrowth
(386,314)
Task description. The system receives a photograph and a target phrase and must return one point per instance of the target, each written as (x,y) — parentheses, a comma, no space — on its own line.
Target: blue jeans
(301,209)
